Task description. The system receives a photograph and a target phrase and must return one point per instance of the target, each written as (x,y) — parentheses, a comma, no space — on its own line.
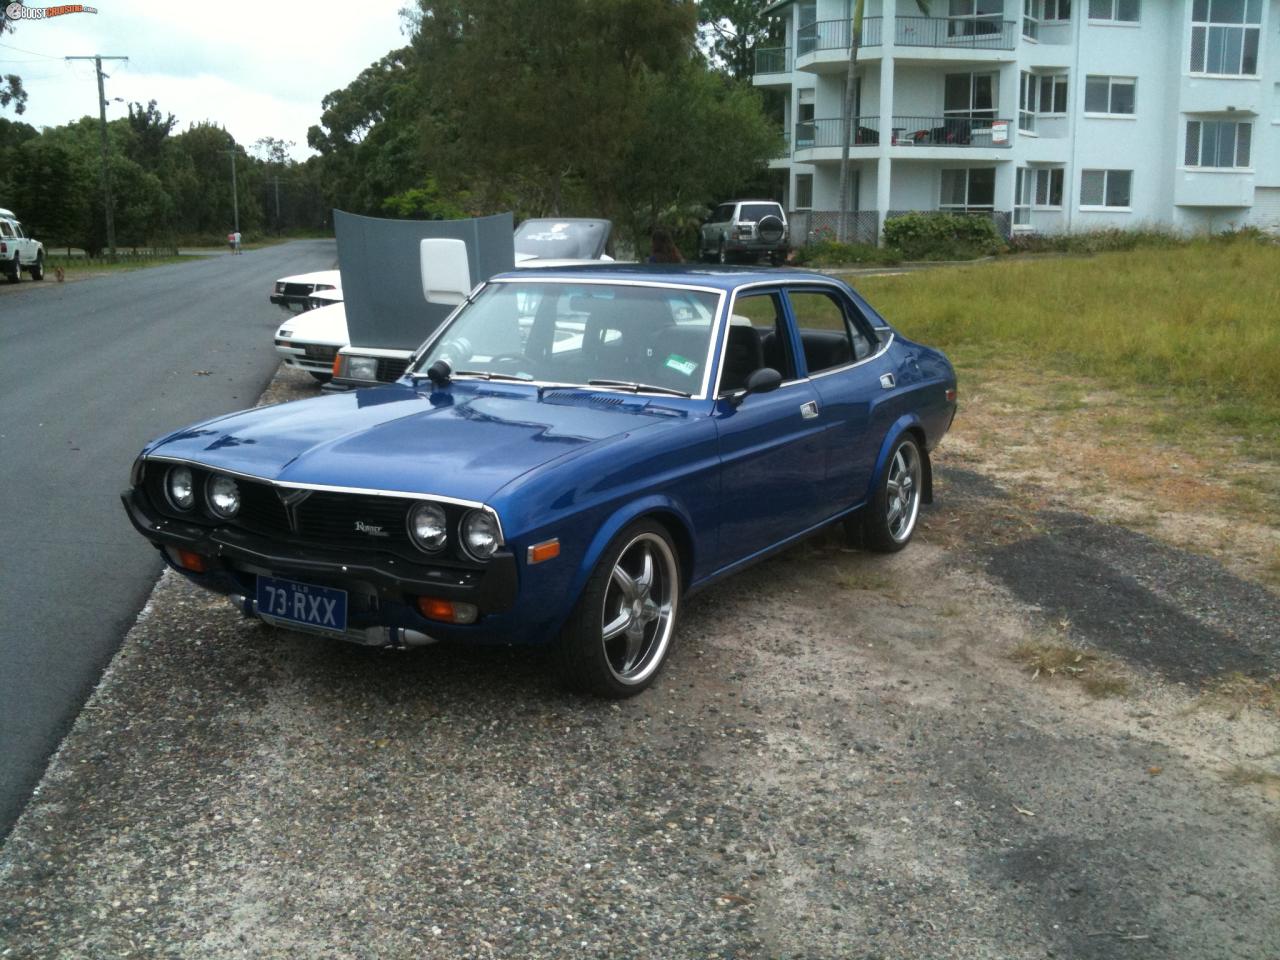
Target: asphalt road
(94,369)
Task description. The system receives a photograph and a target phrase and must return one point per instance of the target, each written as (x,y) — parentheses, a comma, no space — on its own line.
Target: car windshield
(562,239)
(632,336)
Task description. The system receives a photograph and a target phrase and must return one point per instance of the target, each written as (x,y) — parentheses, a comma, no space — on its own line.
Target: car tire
(722,253)
(37,271)
(621,629)
(888,522)
(321,377)
(15,271)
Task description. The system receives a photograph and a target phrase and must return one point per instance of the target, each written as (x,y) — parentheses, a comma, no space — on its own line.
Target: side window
(830,334)
(757,338)
(17,230)
(4,229)
(723,213)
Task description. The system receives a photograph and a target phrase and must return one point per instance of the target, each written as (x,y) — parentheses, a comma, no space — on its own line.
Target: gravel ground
(840,761)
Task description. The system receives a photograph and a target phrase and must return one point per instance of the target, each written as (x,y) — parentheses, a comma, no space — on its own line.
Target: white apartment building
(1051,115)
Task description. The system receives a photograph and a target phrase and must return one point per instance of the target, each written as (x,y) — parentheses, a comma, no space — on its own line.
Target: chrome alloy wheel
(903,493)
(639,611)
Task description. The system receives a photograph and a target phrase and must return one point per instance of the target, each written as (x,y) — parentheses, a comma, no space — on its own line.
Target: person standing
(235,242)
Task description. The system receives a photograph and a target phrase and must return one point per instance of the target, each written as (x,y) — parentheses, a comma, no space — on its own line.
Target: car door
(771,448)
(842,356)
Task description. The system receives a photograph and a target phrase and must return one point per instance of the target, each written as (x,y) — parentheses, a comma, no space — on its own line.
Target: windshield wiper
(637,387)
(490,375)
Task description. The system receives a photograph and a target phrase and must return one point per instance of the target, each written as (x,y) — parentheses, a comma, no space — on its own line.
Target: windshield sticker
(679,363)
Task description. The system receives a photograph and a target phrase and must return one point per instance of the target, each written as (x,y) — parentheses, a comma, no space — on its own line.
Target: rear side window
(4,229)
(723,213)
(829,332)
(17,229)
(755,212)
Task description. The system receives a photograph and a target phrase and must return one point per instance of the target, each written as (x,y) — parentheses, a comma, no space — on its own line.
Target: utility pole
(106,167)
(276,182)
(235,192)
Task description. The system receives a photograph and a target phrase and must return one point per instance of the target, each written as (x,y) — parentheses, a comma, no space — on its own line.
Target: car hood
(327,325)
(466,442)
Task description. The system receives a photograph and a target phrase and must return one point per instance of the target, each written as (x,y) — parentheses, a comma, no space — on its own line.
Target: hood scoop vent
(593,398)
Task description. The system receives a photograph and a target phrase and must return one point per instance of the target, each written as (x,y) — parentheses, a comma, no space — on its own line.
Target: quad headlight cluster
(478,531)
(221,492)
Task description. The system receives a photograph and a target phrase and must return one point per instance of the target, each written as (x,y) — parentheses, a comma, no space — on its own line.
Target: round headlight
(180,487)
(224,496)
(427,527)
(480,534)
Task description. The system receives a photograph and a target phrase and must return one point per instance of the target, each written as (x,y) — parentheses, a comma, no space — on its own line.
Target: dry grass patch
(1243,775)
(1099,676)
(1236,692)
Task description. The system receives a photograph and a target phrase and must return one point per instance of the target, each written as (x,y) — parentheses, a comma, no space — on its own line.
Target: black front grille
(376,523)
(298,289)
(390,370)
(316,352)
(260,509)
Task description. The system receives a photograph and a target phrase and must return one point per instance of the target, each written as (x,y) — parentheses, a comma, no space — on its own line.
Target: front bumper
(382,588)
(295,302)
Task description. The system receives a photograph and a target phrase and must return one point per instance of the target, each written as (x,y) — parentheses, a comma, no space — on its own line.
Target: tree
(732,29)
(151,131)
(11,89)
(846,136)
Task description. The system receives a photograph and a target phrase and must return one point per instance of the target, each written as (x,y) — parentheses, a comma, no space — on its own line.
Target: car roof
(689,275)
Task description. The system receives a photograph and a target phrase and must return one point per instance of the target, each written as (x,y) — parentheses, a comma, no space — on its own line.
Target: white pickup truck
(18,252)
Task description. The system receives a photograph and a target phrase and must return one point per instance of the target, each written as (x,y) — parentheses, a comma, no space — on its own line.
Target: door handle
(809,409)
(888,381)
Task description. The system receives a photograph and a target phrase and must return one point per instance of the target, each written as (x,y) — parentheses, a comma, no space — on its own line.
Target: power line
(34,53)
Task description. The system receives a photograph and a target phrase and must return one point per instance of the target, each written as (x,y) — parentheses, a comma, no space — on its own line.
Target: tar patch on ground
(1183,615)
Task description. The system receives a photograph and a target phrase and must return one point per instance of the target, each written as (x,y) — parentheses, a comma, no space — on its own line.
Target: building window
(970,190)
(974,18)
(970,95)
(1043,94)
(1031,19)
(1110,96)
(1056,10)
(1049,182)
(804,191)
(1106,188)
(1224,37)
(1218,143)
(1022,198)
(1117,11)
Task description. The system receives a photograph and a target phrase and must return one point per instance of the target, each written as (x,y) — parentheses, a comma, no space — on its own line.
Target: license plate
(304,604)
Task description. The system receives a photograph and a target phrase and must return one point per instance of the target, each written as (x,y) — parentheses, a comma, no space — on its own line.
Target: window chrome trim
(781,286)
(717,317)
(332,488)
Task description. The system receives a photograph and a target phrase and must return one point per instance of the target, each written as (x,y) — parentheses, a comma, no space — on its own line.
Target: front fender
(906,422)
(656,504)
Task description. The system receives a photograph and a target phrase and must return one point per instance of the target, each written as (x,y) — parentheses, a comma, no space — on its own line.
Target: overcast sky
(258,69)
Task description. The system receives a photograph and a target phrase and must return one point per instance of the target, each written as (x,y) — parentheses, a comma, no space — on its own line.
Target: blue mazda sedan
(572,454)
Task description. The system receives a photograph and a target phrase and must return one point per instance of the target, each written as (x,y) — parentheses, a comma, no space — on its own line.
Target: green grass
(81,265)
(1200,320)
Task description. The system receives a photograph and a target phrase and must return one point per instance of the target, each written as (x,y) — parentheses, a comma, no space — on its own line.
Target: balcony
(951,132)
(979,33)
(834,35)
(770,60)
(827,135)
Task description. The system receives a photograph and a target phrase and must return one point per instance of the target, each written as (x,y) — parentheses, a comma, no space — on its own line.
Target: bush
(1115,240)
(942,236)
(830,253)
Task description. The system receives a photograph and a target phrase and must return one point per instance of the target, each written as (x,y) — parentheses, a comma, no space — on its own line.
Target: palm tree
(850,86)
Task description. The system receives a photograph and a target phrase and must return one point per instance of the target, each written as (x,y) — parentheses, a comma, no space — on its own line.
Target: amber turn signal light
(447,611)
(188,559)
(547,550)
(337,364)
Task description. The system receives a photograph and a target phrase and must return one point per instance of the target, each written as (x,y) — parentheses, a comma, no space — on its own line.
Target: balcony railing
(977,33)
(834,35)
(952,132)
(773,60)
(827,133)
